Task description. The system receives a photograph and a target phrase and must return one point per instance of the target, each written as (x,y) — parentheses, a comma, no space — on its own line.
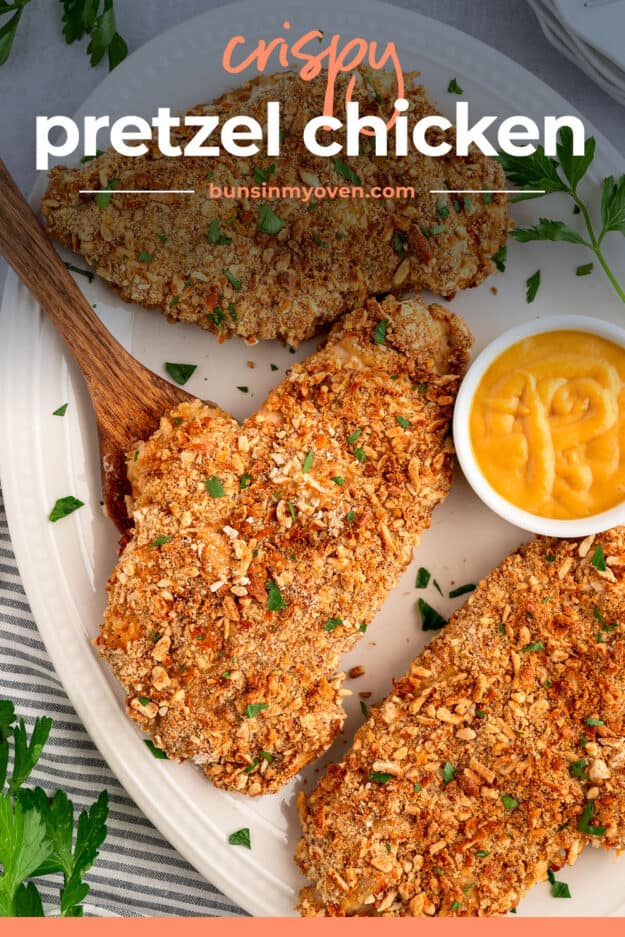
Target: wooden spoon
(128,399)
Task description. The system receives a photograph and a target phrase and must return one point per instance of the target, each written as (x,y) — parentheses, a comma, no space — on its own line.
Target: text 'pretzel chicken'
(261,551)
(499,756)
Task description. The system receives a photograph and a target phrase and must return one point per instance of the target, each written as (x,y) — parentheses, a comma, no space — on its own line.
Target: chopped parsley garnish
(467,888)
(253,709)
(64,507)
(214,234)
(550,558)
(462,590)
(319,241)
(482,853)
(214,487)
(346,171)
(418,788)
(157,752)
(144,700)
(349,517)
(577,769)
(449,772)
(267,756)
(558,889)
(308,462)
(436,585)
(584,270)
(338,480)
(268,221)
(332,623)
(591,721)
(241,838)
(89,274)
(87,158)
(274,367)
(360,454)
(536,646)
(399,244)
(379,333)
(354,436)
(380,777)
(455,906)
(230,277)
(584,825)
(292,510)
(244,481)
(145,257)
(362,628)
(532,285)
(364,709)
(480,714)
(251,766)
(262,175)
(441,209)
(403,422)
(598,615)
(598,559)
(500,258)
(509,802)
(180,373)
(61,411)
(501,628)
(159,541)
(487,198)
(430,618)
(243,388)
(162,238)
(275,602)
(103,198)
(423,578)
(454,88)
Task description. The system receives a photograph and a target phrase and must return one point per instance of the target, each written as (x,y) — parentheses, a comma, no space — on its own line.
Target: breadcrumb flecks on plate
(252,569)
(205,260)
(503,750)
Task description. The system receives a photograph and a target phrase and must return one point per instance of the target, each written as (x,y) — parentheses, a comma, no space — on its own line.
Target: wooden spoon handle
(27,249)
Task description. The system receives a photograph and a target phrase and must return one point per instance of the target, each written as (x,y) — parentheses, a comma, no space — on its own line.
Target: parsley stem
(596,244)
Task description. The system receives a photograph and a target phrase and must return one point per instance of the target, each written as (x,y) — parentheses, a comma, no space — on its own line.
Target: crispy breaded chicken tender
(280,267)
(499,756)
(261,551)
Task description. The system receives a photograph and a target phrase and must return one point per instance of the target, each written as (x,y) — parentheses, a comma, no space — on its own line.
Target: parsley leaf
(253,709)
(584,825)
(308,462)
(180,373)
(214,487)
(214,234)
(156,752)
(241,838)
(7,32)
(423,578)
(558,889)
(60,411)
(103,197)
(64,507)
(332,624)
(268,221)
(379,333)
(275,602)
(449,772)
(454,88)
(430,618)
(598,559)
(462,590)
(509,802)
(500,258)
(346,171)
(533,284)
(105,39)
(548,230)
(380,777)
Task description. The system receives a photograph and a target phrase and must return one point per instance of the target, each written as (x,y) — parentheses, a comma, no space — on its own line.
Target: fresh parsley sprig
(9,27)
(93,18)
(564,175)
(36,831)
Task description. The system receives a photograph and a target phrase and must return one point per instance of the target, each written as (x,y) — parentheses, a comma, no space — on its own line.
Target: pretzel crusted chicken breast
(261,551)
(498,757)
(280,266)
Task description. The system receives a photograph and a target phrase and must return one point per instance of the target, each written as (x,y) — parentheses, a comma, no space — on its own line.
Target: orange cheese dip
(547,424)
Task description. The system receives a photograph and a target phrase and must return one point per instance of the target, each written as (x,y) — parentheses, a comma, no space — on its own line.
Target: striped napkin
(138,874)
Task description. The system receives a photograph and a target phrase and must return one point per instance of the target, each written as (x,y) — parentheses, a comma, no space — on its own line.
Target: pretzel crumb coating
(260,551)
(499,756)
(215,261)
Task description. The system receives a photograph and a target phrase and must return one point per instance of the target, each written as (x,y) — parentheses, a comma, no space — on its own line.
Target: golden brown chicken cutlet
(261,551)
(281,267)
(498,757)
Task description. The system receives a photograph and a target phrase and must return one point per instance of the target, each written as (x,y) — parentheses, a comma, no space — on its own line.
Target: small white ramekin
(595,523)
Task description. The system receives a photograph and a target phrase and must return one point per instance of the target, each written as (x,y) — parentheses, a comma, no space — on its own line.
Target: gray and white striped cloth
(137,873)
